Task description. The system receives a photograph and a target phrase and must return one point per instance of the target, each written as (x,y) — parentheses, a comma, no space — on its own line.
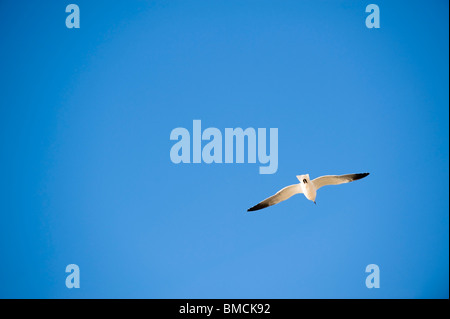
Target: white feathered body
(308,188)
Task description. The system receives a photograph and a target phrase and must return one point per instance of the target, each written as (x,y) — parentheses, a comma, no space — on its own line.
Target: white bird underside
(307,187)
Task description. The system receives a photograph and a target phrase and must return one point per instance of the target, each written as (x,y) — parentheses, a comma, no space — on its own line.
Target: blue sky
(86,176)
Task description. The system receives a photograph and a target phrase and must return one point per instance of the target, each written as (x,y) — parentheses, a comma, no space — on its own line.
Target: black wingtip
(360,175)
(257,207)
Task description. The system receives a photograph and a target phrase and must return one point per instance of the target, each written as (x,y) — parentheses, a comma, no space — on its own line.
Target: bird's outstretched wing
(336,179)
(280,196)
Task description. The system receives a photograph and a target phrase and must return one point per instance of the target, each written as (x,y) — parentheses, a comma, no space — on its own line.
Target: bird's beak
(315,202)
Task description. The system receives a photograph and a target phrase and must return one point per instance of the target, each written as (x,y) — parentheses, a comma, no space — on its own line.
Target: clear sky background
(86,176)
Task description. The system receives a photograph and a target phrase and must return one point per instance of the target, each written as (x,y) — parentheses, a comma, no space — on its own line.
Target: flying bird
(307,187)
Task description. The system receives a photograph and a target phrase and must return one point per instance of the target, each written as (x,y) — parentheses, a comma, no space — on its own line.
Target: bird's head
(303,179)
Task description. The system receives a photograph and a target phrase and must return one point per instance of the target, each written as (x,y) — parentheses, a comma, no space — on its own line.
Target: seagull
(307,187)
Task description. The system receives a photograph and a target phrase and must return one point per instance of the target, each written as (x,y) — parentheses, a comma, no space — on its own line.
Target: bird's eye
(305,181)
